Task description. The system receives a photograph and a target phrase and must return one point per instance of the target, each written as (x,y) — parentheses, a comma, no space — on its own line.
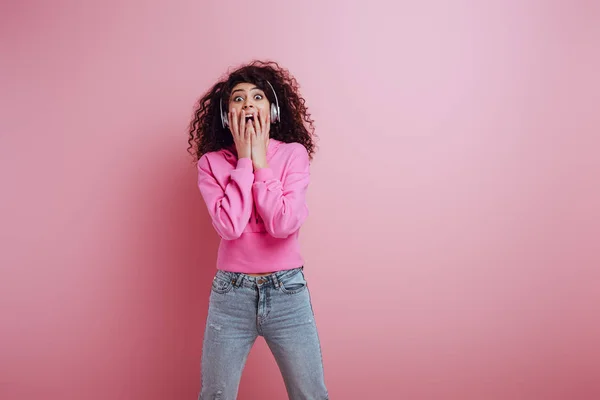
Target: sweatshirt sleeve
(282,205)
(229,207)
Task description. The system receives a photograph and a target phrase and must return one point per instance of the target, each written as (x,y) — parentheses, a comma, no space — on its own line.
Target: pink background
(453,243)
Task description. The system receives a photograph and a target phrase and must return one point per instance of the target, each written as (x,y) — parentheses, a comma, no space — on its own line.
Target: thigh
(292,336)
(229,335)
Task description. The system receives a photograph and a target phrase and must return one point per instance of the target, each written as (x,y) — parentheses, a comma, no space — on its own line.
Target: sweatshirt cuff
(263,174)
(244,163)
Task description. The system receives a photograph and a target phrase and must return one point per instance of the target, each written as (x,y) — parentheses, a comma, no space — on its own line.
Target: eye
(238,98)
(258,97)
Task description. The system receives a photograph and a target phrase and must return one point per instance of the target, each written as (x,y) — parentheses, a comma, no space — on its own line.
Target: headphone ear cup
(274,113)
(225,120)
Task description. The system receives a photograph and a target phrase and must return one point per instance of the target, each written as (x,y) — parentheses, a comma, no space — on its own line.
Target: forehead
(244,86)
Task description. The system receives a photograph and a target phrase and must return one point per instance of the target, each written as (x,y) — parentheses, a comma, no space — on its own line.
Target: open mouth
(249,118)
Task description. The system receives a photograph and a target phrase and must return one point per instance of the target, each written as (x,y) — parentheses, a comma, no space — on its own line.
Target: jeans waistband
(240,278)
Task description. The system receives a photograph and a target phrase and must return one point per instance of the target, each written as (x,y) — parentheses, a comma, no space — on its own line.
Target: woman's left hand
(260,140)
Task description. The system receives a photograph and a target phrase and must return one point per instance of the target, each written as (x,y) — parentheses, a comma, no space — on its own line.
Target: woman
(253,138)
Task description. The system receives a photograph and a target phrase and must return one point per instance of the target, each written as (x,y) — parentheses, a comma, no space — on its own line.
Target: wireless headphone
(275,112)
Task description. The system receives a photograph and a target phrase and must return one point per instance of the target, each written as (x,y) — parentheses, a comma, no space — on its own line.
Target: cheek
(236,106)
(264,109)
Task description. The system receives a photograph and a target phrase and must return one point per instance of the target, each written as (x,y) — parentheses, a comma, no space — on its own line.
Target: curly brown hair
(206,132)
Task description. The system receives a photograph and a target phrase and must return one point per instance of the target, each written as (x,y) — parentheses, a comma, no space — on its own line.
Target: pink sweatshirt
(257,214)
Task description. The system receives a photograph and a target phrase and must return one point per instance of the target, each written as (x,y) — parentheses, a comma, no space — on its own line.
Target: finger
(249,130)
(250,126)
(233,122)
(257,126)
(268,124)
(242,124)
(263,121)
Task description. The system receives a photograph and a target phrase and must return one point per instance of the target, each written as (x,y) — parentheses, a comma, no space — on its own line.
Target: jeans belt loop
(275,280)
(239,278)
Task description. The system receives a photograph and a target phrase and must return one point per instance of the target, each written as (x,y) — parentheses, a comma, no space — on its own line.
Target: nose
(248,104)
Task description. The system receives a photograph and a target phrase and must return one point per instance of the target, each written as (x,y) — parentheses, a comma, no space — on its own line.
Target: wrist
(244,163)
(244,154)
(263,174)
(260,165)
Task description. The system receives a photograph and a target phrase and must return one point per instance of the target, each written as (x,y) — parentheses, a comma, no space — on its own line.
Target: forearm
(282,208)
(229,208)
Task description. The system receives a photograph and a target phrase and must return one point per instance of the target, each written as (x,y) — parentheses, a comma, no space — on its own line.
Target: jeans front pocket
(293,284)
(221,285)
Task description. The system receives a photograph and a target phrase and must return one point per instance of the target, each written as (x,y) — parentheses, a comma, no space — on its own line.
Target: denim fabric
(277,307)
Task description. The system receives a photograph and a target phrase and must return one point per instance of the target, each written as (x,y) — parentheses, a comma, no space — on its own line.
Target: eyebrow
(242,90)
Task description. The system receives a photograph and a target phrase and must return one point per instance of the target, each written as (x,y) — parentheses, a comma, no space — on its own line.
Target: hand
(241,136)
(260,139)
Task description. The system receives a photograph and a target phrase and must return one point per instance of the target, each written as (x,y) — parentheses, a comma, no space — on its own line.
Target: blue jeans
(277,307)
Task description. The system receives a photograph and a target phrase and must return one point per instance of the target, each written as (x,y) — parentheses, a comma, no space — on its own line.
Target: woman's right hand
(241,136)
